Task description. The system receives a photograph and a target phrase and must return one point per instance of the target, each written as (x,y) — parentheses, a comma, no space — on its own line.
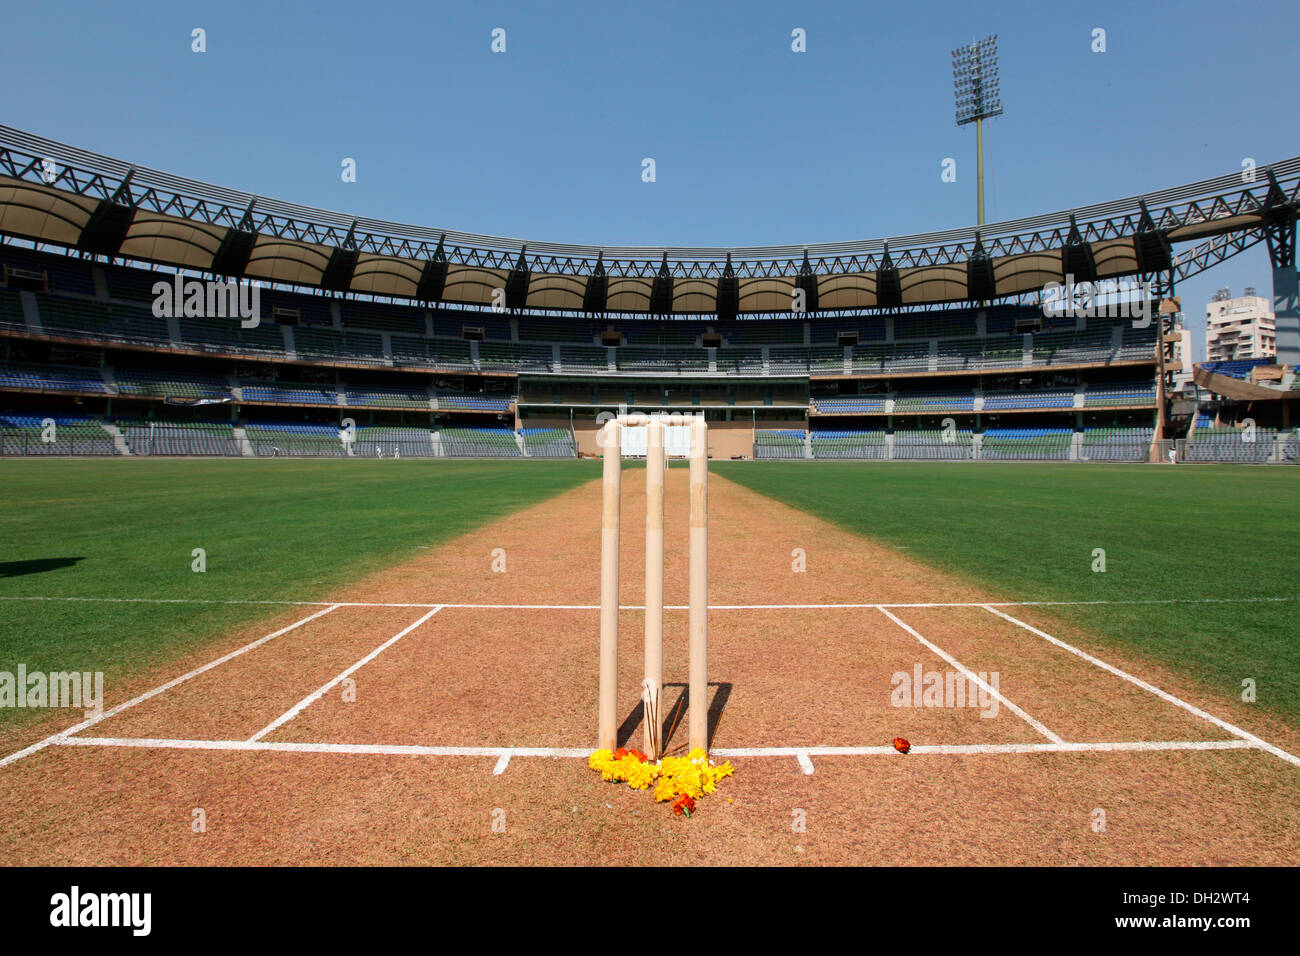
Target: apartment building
(1239,328)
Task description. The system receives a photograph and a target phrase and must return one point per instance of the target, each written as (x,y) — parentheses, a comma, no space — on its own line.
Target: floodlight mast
(975,80)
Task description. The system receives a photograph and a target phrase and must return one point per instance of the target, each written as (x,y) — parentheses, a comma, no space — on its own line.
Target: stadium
(939,554)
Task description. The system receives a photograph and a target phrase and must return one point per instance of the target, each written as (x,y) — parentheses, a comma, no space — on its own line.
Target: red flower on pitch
(901,745)
(684,805)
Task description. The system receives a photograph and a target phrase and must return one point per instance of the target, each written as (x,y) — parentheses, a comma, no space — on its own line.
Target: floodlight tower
(975,78)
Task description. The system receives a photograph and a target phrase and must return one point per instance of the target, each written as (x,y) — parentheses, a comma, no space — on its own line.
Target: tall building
(1183,356)
(1240,328)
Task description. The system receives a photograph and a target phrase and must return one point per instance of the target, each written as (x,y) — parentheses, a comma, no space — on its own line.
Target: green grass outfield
(271,529)
(1026,531)
(303,528)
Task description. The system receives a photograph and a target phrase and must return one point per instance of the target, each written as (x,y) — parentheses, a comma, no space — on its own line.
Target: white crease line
(275,746)
(972,676)
(58,738)
(502,763)
(805,763)
(317,694)
(959,749)
(671,607)
(1137,681)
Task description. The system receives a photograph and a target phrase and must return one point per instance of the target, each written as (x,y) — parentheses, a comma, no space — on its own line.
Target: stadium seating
(479,443)
(155,383)
(1026,444)
(1101,396)
(383,396)
(276,439)
(28,376)
(290,394)
(1116,444)
(173,438)
(477,401)
(778,443)
(848,443)
(548,443)
(1029,398)
(847,404)
(1238,368)
(392,441)
(1228,443)
(26,435)
(929,444)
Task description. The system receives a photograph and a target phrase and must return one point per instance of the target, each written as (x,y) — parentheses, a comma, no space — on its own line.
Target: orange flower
(684,805)
(639,755)
(901,745)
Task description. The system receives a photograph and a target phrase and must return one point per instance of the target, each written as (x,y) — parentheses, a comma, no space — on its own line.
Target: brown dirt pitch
(379,732)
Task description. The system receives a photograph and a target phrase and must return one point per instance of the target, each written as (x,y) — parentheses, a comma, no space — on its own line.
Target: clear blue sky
(753,143)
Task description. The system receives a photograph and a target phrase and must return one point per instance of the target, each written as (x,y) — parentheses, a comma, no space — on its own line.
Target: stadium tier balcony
(25,376)
(154,383)
(1238,368)
(276,392)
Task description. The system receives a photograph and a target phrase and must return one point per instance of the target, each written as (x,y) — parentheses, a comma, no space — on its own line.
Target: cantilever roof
(55,193)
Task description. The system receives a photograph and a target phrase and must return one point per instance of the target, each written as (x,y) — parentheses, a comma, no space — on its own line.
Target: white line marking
(274,746)
(805,763)
(972,676)
(1170,698)
(317,694)
(502,763)
(1026,748)
(58,738)
(670,607)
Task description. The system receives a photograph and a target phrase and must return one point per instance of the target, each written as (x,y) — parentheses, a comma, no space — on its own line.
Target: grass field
(275,530)
(271,530)
(1028,532)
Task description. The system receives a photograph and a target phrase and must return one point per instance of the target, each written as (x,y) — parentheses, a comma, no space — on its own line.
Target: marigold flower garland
(683,780)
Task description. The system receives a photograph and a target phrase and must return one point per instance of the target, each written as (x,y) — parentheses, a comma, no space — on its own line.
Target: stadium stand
(928,444)
(392,441)
(1231,444)
(1237,368)
(779,443)
(276,439)
(26,376)
(171,438)
(548,443)
(1032,444)
(479,443)
(24,435)
(1116,444)
(848,443)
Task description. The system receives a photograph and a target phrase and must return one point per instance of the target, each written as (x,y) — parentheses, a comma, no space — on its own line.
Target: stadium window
(27,279)
(472,333)
(286,316)
(846,338)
